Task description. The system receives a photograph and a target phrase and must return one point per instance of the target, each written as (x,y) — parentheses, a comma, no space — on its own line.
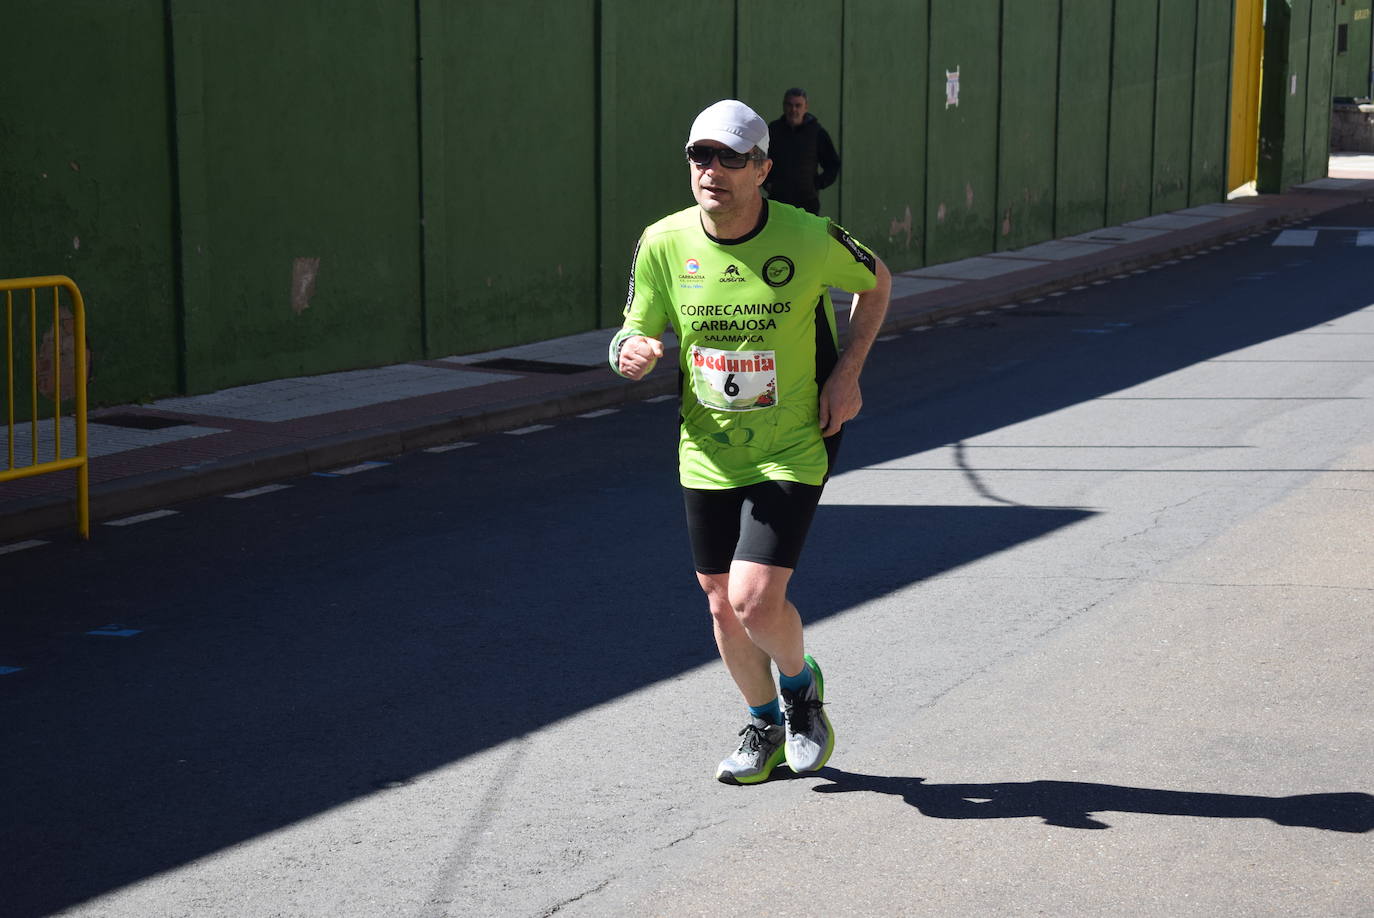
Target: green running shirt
(757,332)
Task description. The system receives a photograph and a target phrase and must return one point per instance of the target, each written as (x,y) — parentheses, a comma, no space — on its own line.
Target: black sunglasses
(701,157)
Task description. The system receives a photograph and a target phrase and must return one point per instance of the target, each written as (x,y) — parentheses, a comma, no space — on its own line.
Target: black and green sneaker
(760,751)
(810,738)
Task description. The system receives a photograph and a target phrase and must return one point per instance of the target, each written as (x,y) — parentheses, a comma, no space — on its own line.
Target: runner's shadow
(1074,804)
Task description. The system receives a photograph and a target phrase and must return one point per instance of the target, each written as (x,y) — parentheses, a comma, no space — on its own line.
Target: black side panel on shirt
(681,388)
(827,353)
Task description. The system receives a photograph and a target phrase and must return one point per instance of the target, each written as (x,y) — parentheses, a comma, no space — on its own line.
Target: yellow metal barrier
(47,377)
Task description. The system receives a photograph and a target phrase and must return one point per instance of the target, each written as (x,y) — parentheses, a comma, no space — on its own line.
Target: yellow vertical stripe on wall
(1245,93)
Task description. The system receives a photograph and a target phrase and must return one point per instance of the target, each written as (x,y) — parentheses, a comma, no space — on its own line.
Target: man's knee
(717,590)
(759,594)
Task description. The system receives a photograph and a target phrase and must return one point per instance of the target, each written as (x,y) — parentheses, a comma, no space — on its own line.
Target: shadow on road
(293,656)
(322,669)
(1074,804)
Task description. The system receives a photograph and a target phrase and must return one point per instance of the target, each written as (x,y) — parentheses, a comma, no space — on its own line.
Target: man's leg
(748,665)
(763,739)
(758,595)
(758,624)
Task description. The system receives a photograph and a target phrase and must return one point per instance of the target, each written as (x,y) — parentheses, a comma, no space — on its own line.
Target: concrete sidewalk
(148,456)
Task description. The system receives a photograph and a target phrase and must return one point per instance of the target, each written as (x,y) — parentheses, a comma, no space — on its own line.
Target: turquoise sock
(795,683)
(771,712)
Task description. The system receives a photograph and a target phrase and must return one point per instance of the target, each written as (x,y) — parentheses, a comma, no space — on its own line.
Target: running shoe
(810,738)
(759,752)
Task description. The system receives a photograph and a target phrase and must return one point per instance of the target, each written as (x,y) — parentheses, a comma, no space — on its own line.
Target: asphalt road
(1092,592)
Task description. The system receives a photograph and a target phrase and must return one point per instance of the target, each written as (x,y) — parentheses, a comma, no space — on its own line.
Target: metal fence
(41,374)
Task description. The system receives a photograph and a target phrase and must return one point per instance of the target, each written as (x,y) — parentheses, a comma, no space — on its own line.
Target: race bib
(734,380)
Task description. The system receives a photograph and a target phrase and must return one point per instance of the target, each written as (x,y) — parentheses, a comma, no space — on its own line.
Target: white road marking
(449,447)
(659,398)
(21,546)
(6,670)
(257,492)
(605,411)
(142,518)
(1364,238)
(533,428)
(1296,237)
(354,469)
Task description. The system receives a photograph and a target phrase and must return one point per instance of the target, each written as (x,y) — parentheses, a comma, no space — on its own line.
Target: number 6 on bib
(734,380)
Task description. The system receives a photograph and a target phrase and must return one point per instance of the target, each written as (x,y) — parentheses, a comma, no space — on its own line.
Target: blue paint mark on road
(6,670)
(116,631)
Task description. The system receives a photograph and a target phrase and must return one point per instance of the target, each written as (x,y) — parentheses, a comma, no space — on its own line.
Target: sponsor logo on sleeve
(634,263)
(861,254)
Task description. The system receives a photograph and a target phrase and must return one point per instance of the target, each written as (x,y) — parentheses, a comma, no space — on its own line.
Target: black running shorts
(765,522)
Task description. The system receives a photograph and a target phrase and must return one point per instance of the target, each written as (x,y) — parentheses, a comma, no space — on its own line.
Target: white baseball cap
(732,123)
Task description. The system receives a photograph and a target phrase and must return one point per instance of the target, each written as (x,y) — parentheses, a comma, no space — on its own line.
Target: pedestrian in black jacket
(804,159)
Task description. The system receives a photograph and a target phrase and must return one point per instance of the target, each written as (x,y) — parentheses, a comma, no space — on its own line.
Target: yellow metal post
(83,486)
(9,373)
(57,373)
(1243,161)
(33,370)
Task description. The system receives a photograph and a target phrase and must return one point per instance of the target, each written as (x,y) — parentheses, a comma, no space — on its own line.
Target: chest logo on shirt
(731,275)
(692,277)
(778,270)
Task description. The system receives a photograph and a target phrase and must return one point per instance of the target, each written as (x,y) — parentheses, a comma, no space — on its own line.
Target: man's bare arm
(841,398)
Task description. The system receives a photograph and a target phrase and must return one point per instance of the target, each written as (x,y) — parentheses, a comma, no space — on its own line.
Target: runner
(744,284)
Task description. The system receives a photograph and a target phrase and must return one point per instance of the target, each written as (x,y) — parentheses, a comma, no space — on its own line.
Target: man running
(744,284)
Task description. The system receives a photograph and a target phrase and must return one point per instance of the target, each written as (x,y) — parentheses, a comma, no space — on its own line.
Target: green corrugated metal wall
(296,152)
(1173,91)
(1211,94)
(474,175)
(1131,135)
(1082,138)
(884,127)
(647,108)
(1295,127)
(1351,76)
(1029,97)
(1321,49)
(84,166)
(1295,97)
(510,172)
(961,137)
